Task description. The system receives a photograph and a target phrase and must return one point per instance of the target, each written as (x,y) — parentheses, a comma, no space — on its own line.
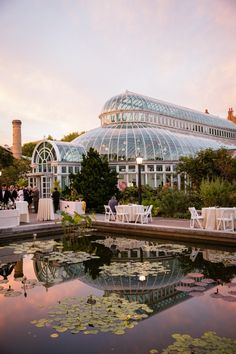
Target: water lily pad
(209,342)
(200,283)
(195,275)
(93,314)
(54,335)
(198,288)
(12,293)
(183,288)
(229,298)
(207,280)
(216,295)
(187,281)
(196,293)
(232,292)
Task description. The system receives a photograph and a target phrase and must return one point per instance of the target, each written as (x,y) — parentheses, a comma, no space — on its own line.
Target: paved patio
(165,228)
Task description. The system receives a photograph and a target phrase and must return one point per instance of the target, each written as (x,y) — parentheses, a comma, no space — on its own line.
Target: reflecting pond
(108,294)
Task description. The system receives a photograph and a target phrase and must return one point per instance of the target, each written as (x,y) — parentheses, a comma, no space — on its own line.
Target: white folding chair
(141,217)
(225,222)
(149,212)
(121,214)
(109,215)
(144,215)
(195,218)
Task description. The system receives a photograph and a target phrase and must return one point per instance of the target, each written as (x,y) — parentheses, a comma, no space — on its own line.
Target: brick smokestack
(231,115)
(16,146)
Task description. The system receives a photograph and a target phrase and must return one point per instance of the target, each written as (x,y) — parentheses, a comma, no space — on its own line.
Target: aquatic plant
(76,223)
(209,342)
(93,314)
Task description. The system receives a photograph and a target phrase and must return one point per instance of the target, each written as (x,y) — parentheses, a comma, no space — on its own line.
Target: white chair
(144,215)
(196,218)
(121,214)
(149,212)
(194,254)
(109,215)
(225,222)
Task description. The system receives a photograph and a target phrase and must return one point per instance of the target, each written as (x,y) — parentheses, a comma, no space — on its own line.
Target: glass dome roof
(130,101)
(124,142)
(70,152)
(57,150)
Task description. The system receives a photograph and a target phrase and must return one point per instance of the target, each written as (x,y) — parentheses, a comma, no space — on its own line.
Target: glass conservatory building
(135,125)
(54,160)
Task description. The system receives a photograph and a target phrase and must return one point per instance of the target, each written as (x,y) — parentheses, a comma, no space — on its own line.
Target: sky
(61,60)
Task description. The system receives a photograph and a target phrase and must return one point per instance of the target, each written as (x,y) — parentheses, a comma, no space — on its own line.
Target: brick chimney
(231,116)
(16,143)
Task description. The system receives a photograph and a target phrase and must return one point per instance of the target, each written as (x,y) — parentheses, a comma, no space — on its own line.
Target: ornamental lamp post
(139,161)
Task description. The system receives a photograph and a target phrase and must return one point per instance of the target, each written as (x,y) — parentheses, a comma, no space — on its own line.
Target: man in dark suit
(13,192)
(56,199)
(5,195)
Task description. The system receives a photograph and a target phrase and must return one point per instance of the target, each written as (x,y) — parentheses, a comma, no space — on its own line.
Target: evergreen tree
(96,182)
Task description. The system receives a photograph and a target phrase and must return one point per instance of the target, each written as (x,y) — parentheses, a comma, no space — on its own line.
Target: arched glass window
(43,156)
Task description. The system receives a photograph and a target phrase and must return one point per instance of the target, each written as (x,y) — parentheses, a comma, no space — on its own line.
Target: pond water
(107,294)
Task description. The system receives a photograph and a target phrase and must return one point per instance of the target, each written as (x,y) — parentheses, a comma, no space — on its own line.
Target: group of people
(28,194)
(15,193)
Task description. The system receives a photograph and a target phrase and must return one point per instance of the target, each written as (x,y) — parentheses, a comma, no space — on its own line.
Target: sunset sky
(60,60)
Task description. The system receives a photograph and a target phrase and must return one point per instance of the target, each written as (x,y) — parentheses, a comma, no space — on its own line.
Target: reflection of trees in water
(209,269)
(6,269)
(88,244)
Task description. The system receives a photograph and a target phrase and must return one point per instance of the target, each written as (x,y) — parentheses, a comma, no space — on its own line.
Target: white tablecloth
(45,210)
(131,210)
(71,207)
(210,216)
(9,218)
(24,211)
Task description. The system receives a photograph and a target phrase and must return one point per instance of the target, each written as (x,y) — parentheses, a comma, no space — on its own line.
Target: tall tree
(6,158)
(17,170)
(71,136)
(208,164)
(96,181)
(28,148)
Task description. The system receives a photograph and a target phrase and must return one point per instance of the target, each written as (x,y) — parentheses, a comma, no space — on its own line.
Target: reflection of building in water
(131,248)
(156,290)
(51,273)
(217,256)
(19,269)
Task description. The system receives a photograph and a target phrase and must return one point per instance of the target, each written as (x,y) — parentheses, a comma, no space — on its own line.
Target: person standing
(56,199)
(30,197)
(13,192)
(35,196)
(5,195)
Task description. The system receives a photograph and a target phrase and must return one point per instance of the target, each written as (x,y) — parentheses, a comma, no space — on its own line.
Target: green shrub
(167,202)
(173,202)
(218,193)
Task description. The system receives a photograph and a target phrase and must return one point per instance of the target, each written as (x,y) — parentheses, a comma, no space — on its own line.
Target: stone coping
(168,230)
